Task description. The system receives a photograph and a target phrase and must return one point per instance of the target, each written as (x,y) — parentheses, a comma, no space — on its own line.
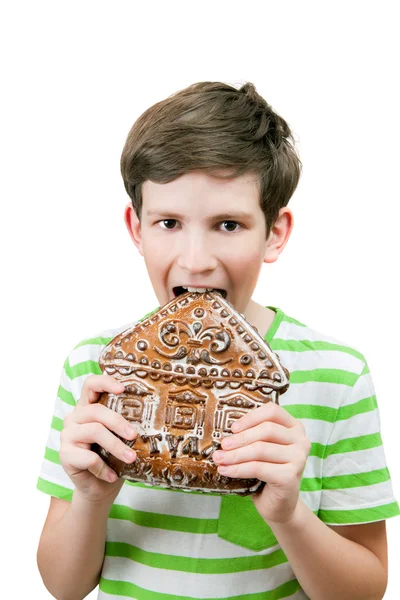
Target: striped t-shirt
(165,545)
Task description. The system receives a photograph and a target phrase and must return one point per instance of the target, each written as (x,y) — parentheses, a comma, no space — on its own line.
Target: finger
(267,412)
(259,451)
(96,433)
(266,431)
(275,474)
(97,413)
(76,460)
(95,385)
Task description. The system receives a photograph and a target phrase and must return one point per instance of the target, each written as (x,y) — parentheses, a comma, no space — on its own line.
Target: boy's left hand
(271,445)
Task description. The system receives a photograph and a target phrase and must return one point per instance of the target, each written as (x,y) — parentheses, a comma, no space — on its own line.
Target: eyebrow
(227,216)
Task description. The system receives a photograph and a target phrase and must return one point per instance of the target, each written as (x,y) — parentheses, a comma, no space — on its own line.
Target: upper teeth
(201,290)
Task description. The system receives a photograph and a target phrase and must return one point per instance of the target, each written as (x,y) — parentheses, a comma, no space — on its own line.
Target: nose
(195,255)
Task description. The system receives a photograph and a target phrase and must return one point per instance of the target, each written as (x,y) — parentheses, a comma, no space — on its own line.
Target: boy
(210,171)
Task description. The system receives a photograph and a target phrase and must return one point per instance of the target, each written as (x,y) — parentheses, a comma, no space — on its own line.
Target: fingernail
(227,442)
(129,431)
(218,455)
(112,476)
(235,427)
(129,455)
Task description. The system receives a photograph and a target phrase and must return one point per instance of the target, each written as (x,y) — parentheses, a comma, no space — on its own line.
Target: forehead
(197,192)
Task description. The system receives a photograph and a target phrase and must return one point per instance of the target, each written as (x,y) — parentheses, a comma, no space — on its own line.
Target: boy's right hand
(91,423)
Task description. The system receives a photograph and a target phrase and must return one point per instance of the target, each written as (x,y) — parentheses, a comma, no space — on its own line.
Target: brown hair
(213,126)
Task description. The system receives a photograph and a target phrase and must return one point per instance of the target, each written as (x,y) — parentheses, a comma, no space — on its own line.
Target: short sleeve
(81,363)
(356,483)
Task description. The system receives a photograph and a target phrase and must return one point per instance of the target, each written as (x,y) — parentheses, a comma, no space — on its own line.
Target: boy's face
(199,231)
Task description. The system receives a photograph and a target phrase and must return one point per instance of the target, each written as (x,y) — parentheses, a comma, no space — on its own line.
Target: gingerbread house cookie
(190,370)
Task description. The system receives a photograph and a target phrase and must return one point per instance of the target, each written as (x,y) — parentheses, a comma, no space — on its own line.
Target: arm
(329,566)
(329,563)
(71,548)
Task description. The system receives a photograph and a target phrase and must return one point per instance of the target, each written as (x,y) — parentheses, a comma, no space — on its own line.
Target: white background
(75,76)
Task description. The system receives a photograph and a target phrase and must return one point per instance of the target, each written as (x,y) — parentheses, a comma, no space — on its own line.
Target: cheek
(154,253)
(247,256)
(245,266)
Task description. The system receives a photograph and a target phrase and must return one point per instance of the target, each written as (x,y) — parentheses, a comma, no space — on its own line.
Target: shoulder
(89,348)
(307,349)
(83,360)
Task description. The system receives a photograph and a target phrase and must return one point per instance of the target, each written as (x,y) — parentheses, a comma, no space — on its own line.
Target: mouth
(178,290)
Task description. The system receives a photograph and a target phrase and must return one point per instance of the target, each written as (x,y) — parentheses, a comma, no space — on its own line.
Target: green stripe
(66,396)
(169,522)
(355,479)
(310,346)
(358,408)
(57,424)
(310,484)
(124,588)
(52,455)
(88,367)
(324,376)
(97,341)
(366,370)
(363,442)
(317,449)
(308,411)
(360,515)
(274,325)
(54,490)
(326,413)
(204,566)
(288,319)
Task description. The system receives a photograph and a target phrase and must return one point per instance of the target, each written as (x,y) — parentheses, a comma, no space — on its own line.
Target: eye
(169,223)
(231,226)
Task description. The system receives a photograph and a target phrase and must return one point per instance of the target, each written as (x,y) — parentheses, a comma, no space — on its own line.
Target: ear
(279,235)
(133,225)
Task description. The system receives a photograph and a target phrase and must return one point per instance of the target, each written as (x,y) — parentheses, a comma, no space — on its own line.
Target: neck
(259,316)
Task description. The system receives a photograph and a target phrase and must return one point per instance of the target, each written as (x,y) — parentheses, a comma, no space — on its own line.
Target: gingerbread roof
(197,339)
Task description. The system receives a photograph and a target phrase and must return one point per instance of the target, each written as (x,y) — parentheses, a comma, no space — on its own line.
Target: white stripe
(313,467)
(317,431)
(359,497)
(360,461)
(363,388)
(62,409)
(311,499)
(362,424)
(77,385)
(315,393)
(177,543)
(291,331)
(65,381)
(320,359)
(203,586)
(53,441)
(84,353)
(54,473)
(168,502)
